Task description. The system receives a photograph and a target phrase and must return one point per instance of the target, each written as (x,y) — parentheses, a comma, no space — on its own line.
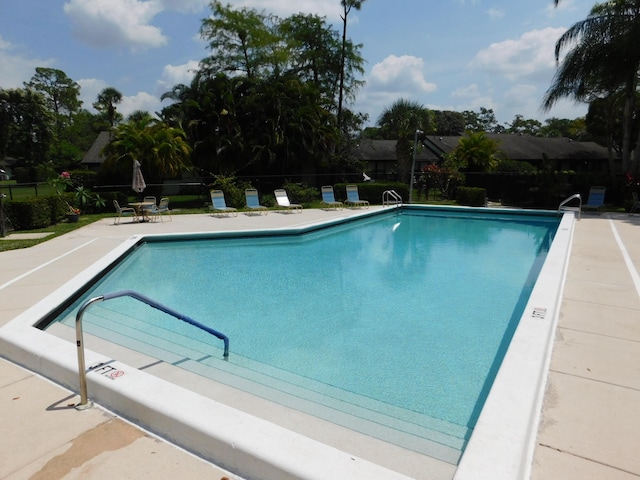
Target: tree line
(273,97)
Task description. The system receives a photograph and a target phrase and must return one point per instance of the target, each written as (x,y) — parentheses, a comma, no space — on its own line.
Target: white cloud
(16,67)
(329,8)
(404,74)
(106,23)
(469,91)
(531,56)
(89,90)
(175,74)
(495,13)
(141,101)
(186,6)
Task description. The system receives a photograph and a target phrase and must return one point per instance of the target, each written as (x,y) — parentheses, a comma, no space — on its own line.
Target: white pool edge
(503,442)
(501,447)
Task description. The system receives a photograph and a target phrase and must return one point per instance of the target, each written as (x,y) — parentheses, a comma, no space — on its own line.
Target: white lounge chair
(283,201)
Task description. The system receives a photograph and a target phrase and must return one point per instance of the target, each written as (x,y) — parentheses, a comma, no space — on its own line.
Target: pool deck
(590,416)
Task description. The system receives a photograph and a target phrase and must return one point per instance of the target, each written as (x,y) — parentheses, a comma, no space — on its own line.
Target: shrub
(30,213)
(301,193)
(471,196)
(232,188)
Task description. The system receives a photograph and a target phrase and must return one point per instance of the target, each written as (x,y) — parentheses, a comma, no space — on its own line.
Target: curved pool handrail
(84,402)
(565,207)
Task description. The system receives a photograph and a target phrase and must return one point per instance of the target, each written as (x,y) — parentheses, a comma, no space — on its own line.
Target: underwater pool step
(411,430)
(346,409)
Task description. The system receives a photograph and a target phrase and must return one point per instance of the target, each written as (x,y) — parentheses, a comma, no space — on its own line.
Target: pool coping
(509,450)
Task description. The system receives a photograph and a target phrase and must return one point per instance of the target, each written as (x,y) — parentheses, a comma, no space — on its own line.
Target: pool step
(411,430)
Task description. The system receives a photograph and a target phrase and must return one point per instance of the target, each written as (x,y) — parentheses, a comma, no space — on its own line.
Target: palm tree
(162,150)
(106,103)
(603,59)
(400,122)
(476,152)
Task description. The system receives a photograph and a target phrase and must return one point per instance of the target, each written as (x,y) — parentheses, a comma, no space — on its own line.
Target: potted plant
(83,197)
(73,214)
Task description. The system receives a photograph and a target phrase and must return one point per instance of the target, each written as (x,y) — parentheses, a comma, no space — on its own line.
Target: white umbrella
(137,184)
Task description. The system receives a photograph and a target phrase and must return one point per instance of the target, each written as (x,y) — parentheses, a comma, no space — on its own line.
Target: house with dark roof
(380,157)
(558,153)
(94,159)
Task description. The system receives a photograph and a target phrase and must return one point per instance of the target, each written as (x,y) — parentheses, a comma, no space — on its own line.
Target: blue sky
(446,55)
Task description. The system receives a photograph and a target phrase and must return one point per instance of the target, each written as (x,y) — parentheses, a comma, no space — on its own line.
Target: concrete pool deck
(589,420)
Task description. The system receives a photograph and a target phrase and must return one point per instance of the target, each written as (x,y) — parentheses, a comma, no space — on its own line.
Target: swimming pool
(391,230)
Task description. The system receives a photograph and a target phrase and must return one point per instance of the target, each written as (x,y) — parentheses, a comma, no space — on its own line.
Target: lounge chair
(636,203)
(329,199)
(219,206)
(283,201)
(595,200)
(353,198)
(124,212)
(253,201)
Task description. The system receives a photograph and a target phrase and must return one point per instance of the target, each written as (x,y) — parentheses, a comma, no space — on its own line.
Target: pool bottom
(499,447)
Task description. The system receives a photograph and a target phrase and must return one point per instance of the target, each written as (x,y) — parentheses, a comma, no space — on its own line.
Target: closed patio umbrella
(137,183)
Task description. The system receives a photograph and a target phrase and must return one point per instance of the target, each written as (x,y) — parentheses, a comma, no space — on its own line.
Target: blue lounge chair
(253,201)
(353,198)
(595,200)
(219,206)
(329,199)
(283,201)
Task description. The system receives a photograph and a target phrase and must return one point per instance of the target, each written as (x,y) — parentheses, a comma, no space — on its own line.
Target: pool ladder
(84,401)
(391,197)
(563,207)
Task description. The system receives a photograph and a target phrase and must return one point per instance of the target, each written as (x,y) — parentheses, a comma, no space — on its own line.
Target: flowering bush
(83,197)
(442,177)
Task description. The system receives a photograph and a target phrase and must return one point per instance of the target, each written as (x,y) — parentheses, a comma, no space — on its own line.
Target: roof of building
(528,147)
(94,154)
(385,150)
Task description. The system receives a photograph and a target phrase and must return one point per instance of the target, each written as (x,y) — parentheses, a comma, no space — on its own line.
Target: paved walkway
(590,418)
(591,415)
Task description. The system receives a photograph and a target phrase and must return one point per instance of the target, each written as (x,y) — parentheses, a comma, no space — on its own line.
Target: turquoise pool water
(393,325)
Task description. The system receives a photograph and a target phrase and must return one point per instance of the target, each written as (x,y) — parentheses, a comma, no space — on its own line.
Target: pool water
(393,325)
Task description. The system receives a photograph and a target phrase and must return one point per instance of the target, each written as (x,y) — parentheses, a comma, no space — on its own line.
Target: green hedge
(30,213)
(471,196)
(372,191)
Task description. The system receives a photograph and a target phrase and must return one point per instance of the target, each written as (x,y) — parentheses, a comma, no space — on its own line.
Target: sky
(445,55)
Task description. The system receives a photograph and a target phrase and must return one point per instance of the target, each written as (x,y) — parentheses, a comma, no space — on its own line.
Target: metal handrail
(563,205)
(84,401)
(397,199)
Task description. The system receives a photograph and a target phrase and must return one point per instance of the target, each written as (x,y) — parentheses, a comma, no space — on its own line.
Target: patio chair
(124,212)
(149,210)
(219,206)
(636,203)
(283,201)
(595,200)
(162,208)
(253,201)
(329,199)
(353,198)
